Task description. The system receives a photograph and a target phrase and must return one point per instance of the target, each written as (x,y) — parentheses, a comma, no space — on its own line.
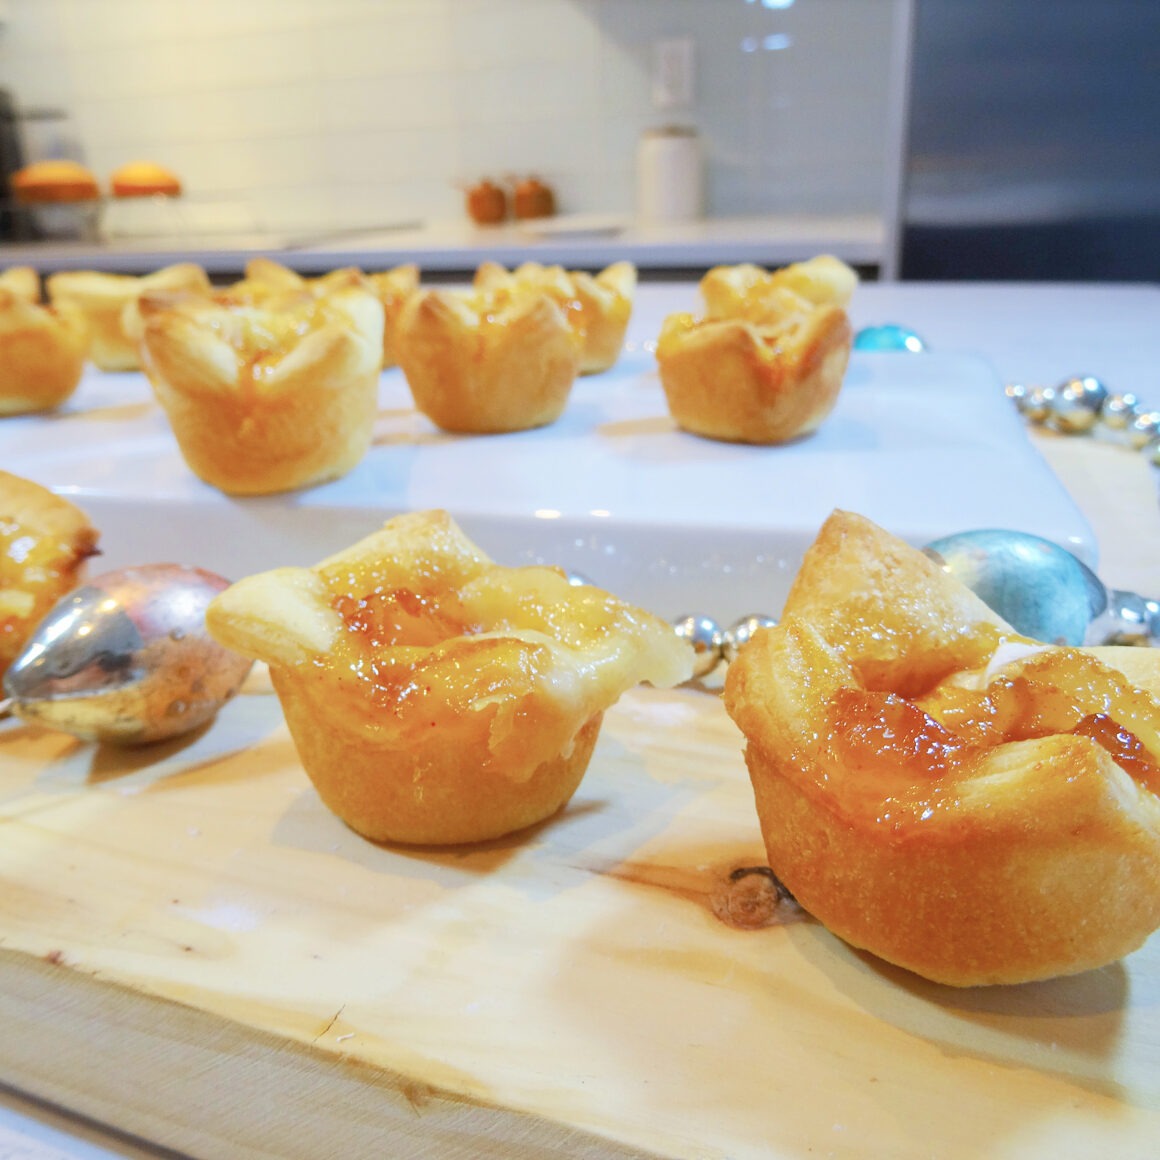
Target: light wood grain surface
(196,951)
(1117,490)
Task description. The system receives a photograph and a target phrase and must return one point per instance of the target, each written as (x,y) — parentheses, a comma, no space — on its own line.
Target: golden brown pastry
(436,697)
(485,361)
(748,291)
(42,349)
(44,543)
(264,279)
(109,302)
(598,306)
(264,399)
(22,281)
(144,179)
(394,287)
(957,799)
(270,283)
(54,180)
(766,363)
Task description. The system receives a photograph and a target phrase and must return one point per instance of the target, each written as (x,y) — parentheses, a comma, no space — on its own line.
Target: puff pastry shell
(958,800)
(267,398)
(766,362)
(486,361)
(42,348)
(109,303)
(394,288)
(44,543)
(598,306)
(434,696)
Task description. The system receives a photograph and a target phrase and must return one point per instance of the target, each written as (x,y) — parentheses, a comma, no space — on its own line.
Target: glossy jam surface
(410,638)
(897,746)
(265,337)
(35,570)
(461,631)
(386,616)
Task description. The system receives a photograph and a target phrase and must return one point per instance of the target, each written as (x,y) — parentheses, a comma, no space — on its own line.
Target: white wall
(324,114)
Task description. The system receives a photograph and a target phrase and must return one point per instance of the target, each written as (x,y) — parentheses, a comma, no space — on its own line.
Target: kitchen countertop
(575,240)
(1029,333)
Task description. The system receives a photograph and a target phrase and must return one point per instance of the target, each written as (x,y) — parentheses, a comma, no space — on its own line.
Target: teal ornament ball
(1039,588)
(889,336)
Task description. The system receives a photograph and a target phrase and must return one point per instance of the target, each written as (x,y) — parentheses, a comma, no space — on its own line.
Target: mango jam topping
(917,749)
(35,570)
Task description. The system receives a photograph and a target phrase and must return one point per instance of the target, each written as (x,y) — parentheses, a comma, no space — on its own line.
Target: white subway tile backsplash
(388,156)
(528,92)
(30,27)
(371,206)
(625,82)
(548,148)
(330,114)
(492,33)
(333,12)
(387,40)
(387,101)
(251,60)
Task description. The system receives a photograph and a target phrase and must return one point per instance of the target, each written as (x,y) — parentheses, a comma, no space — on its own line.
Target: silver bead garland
(713,644)
(1084,405)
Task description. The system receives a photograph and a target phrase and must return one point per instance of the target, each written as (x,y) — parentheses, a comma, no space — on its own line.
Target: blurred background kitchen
(907,136)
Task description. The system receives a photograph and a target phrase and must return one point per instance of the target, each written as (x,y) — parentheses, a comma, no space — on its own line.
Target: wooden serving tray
(194,950)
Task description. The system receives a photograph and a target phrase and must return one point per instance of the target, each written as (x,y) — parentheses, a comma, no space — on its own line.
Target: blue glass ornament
(1039,588)
(889,336)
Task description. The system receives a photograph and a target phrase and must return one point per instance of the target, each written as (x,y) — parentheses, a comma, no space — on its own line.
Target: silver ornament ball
(1076,405)
(1016,392)
(1039,588)
(1125,620)
(1119,410)
(1036,404)
(739,633)
(705,635)
(1153,607)
(1143,429)
(126,658)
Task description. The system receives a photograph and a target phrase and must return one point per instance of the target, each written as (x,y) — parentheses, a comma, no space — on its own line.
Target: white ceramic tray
(926,445)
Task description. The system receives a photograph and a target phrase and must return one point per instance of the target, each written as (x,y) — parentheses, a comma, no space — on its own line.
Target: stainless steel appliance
(1033,141)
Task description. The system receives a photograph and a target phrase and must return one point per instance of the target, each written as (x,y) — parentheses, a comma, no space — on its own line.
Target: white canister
(670,177)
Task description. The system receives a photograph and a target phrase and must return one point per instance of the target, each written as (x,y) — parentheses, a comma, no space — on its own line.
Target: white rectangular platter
(926,445)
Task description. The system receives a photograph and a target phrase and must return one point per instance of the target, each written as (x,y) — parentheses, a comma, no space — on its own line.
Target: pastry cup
(767,362)
(21,281)
(434,696)
(487,361)
(265,399)
(745,382)
(395,287)
(44,543)
(936,789)
(42,349)
(748,291)
(270,283)
(598,306)
(109,303)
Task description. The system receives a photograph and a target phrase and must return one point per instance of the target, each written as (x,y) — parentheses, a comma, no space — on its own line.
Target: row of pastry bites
(104,309)
(270,384)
